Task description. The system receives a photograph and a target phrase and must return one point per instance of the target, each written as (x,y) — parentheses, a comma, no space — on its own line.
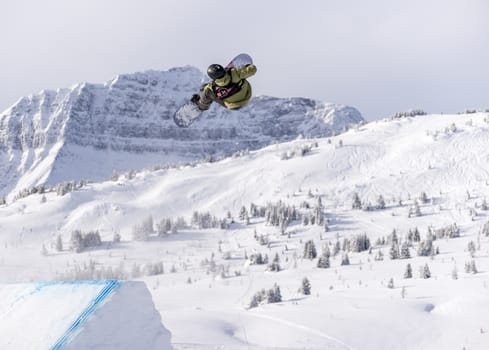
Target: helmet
(216,71)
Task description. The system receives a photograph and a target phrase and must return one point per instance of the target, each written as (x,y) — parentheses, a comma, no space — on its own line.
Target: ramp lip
(110,285)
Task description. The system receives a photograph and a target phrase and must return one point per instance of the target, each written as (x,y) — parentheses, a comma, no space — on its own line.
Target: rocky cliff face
(91,130)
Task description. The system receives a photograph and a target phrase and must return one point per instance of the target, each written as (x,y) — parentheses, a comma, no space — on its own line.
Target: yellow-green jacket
(234,83)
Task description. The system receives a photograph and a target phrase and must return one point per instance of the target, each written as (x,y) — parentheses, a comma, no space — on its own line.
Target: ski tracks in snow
(338,344)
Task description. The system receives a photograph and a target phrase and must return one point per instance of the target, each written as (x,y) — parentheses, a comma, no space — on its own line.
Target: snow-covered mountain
(432,172)
(91,130)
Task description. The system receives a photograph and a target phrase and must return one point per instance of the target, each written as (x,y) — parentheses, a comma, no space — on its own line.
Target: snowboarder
(228,87)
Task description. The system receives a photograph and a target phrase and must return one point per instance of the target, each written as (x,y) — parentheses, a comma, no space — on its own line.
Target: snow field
(351,307)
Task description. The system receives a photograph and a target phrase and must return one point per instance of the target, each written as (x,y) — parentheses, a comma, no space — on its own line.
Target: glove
(195,98)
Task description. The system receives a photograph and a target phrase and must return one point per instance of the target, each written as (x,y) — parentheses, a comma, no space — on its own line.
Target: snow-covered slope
(89,131)
(80,315)
(202,280)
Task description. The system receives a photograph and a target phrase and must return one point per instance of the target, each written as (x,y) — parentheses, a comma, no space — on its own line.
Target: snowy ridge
(91,130)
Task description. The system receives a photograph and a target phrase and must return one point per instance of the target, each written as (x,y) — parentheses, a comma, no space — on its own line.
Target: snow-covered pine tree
(423,198)
(471,248)
(409,271)
(77,241)
(416,235)
(323,261)
(277,293)
(455,273)
(390,284)
(59,243)
(380,203)
(270,296)
(360,243)
(485,229)
(275,265)
(393,237)
(336,248)
(470,267)
(415,210)
(379,256)
(345,260)
(484,204)
(425,247)
(405,254)
(310,250)
(116,238)
(255,300)
(243,213)
(356,203)
(44,251)
(394,251)
(426,273)
(305,287)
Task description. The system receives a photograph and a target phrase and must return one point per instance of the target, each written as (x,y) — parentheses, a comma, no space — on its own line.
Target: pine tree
(379,256)
(59,243)
(44,251)
(410,236)
(405,251)
(356,203)
(484,204)
(423,197)
(277,293)
(116,238)
(454,273)
(393,237)
(243,213)
(336,248)
(409,271)
(390,284)
(323,261)
(425,247)
(414,210)
(416,235)
(275,265)
(306,287)
(380,202)
(255,301)
(473,268)
(470,267)
(394,251)
(345,260)
(471,248)
(310,250)
(426,273)
(77,241)
(360,243)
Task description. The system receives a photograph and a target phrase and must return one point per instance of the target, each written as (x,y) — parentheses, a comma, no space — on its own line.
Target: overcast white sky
(380,56)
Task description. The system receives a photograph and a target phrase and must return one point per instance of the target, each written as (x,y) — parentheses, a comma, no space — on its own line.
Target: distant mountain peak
(90,130)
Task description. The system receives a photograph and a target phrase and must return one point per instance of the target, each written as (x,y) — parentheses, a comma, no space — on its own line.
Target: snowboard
(189,112)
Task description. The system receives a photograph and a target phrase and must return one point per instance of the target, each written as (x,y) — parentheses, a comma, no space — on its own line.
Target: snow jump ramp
(95,315)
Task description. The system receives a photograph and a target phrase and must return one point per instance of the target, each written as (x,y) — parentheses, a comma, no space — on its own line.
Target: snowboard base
(186,115)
